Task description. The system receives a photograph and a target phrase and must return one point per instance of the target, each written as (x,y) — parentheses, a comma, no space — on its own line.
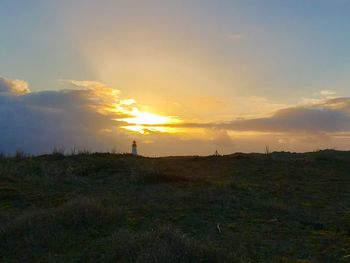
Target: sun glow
(146,122)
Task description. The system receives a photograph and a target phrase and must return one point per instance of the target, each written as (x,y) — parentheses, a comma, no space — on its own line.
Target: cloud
(323,116)
(325,124)
(321,96)
(298,119)
(13,87)
(70,118)
(83,116)
(311,101)
(327,93)
(340,104)
(219,138)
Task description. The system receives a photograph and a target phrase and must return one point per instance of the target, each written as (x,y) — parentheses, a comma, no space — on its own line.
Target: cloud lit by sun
(108,102)
(143,122)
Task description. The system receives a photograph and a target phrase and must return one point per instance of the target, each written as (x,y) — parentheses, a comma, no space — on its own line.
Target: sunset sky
(180,77)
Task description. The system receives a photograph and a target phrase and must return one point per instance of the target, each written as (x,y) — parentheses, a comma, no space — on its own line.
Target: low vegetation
(86,207)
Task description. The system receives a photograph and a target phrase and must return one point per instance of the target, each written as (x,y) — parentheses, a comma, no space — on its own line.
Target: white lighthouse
(134,148)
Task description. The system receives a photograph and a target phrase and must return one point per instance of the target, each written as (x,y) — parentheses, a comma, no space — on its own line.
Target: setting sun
(143,122)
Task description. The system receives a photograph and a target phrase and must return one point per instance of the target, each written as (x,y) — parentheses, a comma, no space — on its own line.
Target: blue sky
(202,61)
(295,45)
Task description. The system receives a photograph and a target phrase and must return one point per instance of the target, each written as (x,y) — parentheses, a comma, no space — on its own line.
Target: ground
(281,207)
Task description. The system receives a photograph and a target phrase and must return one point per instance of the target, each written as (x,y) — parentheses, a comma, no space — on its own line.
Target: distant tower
(134,148)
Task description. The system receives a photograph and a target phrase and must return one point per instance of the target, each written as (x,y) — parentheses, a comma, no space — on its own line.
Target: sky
(180,77)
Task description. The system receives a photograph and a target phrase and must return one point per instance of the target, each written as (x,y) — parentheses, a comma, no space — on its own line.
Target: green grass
(283,207)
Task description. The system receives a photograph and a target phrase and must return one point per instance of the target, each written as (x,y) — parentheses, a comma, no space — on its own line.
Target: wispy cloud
(327,93)
(13,87)
(328,115)
(297,119)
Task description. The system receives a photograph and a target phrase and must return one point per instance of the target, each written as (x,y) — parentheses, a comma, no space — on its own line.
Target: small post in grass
(267,152)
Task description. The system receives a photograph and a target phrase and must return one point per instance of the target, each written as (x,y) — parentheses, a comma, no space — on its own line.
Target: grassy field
(281,207)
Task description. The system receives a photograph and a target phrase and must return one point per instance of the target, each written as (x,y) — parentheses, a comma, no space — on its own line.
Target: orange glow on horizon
(146,122)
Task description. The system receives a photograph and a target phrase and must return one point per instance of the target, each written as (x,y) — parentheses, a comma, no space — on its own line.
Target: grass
(90,207)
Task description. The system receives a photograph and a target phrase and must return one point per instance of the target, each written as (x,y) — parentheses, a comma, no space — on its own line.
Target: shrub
(58,153)
(20,155)
(163,177)
(45,231)
(165,244)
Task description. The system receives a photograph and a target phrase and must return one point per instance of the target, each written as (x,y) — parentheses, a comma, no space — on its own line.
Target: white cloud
(13,87)
(327,93)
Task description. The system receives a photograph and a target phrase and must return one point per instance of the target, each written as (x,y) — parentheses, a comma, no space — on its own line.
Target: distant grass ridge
(93,207)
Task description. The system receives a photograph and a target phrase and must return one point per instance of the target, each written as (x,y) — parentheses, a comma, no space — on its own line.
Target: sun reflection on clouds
(146,118)
(107,101)
(146,122)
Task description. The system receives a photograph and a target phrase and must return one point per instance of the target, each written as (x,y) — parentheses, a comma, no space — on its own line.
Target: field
(281,207)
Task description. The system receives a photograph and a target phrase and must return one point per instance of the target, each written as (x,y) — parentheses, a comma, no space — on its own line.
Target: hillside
(283,207)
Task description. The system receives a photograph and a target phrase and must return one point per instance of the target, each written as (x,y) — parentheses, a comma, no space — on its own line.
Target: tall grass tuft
(37,233)
(165,244)
(20,155)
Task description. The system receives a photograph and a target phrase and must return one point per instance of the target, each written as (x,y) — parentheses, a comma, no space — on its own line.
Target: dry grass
(121,208)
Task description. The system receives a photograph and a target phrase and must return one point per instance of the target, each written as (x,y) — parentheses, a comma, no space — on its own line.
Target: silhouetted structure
(134,148)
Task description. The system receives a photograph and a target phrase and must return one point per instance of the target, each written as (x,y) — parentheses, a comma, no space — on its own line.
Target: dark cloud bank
(327,116)
(39,121)
(316,119)
(72,118)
